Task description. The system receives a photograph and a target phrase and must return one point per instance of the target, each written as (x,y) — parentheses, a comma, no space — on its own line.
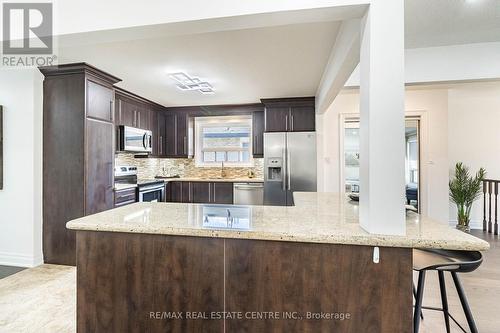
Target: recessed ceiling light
(189,83)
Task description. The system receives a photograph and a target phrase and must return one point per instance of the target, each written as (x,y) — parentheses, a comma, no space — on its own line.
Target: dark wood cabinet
(182,135)
(258,134)
(186,192)
(135,111)
(99,166)
(143,117)
(131,111)
(289,114)
(78,136)
(302,119)
(176,136)
(99,100)
(277,119)
(178,192)
(125,197)
(157,126)
(125,111)
(161,132)
(222,193)
(174,192)
(170,136)
(200,192)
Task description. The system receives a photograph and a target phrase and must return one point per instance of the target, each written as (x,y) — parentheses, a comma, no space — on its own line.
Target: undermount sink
(167,177)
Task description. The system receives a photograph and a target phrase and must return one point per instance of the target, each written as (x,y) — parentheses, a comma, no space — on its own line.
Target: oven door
(135,139)
(156,194)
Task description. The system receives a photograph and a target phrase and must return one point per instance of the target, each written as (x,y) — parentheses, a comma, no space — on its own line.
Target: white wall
(461,123)
(474,134)
(477,61)
(20,200)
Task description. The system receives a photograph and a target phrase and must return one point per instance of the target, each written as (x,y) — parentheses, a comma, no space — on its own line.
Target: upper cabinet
(176,134)
(99,100)
(157,126)
(135,111)
(258,134)
(130,111)
(289,114)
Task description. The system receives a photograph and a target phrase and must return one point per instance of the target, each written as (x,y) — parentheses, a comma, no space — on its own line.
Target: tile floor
(9,270)
(43,299)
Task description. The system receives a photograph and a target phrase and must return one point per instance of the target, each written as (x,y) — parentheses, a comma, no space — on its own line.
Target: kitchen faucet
(222,171)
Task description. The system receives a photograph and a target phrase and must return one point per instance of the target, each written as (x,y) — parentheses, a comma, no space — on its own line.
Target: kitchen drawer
(125,197)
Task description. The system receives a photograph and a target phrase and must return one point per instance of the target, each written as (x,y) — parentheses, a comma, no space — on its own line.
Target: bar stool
(444,261)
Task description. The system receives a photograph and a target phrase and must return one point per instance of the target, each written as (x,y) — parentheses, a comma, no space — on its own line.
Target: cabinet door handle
(185,145)
(283,158)
(291,120)
(286,123)
(288,171)
(111,110)
(160,148)
(111,175)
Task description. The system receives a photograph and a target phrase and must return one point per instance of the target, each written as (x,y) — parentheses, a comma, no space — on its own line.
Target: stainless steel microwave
(131,139)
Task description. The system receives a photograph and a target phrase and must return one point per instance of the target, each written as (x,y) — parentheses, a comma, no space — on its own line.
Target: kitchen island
(214,268)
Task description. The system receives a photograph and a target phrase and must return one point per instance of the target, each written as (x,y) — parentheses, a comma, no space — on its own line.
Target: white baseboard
(473,224)
(19,260)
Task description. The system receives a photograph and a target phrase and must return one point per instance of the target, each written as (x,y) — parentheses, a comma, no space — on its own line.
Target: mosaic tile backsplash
(148,168)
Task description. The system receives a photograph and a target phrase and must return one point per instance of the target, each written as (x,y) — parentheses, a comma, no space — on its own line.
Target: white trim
(423,152)
(19,260)
(216,120)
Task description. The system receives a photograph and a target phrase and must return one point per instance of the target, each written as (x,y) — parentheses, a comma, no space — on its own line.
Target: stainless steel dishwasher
(248,193)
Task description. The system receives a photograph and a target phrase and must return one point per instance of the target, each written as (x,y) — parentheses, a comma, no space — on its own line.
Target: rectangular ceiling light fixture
(188,83)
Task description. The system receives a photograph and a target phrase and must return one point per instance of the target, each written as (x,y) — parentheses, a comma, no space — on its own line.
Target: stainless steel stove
(149,190)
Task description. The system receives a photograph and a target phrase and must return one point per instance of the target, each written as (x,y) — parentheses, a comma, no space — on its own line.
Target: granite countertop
(228,180)
(315,218)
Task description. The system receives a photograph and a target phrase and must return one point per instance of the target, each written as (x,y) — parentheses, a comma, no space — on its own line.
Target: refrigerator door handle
(284,171)
(288,171)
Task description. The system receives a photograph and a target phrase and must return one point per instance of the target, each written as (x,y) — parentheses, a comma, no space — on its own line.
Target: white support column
(382,148)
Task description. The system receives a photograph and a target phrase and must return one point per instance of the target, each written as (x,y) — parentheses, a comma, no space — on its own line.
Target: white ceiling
(448,22)
(257,56)
(242,65)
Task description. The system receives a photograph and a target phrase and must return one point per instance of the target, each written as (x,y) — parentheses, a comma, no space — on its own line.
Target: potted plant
(464,190)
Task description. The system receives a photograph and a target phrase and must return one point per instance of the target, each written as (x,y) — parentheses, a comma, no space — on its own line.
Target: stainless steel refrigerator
(289,166)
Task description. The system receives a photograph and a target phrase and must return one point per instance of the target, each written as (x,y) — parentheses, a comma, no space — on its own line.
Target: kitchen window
(225,139)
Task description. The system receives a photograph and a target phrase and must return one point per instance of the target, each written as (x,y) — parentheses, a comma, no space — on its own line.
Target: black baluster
(496,208)
(490,227)
(484,205)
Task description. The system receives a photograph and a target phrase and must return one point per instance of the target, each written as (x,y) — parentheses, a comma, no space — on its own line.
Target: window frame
(221,121)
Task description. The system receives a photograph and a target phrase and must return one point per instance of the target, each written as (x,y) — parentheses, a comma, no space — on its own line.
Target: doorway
(350,147)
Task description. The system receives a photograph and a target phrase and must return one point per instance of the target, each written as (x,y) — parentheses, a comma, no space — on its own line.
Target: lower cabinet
(125,197)
(200,192)
(222,193)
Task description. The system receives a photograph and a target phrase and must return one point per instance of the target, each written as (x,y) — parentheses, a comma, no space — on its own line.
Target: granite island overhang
(195,267)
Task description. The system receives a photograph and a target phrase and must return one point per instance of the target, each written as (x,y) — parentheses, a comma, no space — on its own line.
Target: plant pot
(463,227)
